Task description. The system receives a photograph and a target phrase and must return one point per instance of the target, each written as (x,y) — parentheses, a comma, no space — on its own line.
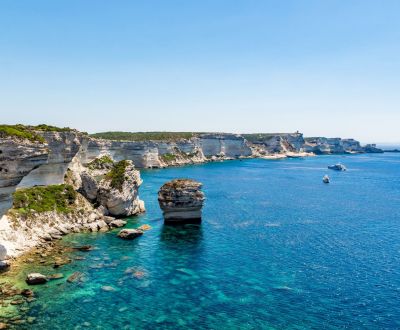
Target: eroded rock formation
(181,201)
(115,188)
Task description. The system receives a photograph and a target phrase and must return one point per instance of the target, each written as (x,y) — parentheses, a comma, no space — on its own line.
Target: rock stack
(181,201)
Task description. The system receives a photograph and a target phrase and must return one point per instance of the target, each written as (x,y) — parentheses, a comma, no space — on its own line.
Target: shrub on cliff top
(117,174)
(58,198)
(103,162)
(20,132)
(144,136)
(168,157)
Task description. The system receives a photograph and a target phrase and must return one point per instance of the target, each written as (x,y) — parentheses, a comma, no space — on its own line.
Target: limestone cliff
(114,188)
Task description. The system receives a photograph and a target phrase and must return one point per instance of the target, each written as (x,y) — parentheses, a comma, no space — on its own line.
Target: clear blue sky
(323,67)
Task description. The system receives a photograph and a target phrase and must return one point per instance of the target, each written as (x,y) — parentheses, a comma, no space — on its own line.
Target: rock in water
(36,278)
(181,201)
(130,233)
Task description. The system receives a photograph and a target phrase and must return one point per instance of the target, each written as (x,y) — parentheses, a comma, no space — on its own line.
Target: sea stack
(181,201)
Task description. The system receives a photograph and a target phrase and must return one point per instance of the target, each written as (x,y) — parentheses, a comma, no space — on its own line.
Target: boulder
(4,264)
(36,278)
(181,201)
(89,186)
(75,277)
(102,225)
(108,219)
(117,223)
(130,233)
(84,248)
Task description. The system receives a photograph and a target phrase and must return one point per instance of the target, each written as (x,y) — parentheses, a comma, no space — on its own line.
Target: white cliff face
(288,144)
(322,145)
(228,145)
(17,159)
(155,154)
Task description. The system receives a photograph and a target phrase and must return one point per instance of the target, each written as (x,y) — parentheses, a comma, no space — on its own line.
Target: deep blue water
(277,249)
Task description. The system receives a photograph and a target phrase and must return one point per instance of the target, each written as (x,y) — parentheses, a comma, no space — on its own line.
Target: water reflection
(185,234)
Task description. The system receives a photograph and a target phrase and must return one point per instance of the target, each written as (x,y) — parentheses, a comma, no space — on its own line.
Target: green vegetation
(103,162)
(117,174)
(168,157)
(20,132)
(258,137)
(58,198)
(24,132)
(49,128)
(144,136)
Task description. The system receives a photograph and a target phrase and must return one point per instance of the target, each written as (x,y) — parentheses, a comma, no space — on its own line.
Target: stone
(144,227)
(4,265)
(93,227)
(102,225)
(84,248)
(17,302)
(117,223)
(181,201)
(130,233)
(55,276)
(36,278)
(89,186)
(3,326)
(27,293)
(108,288)
(75,277)
(108,219)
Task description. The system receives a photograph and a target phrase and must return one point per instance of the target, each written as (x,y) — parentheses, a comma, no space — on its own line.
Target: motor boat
(337,167)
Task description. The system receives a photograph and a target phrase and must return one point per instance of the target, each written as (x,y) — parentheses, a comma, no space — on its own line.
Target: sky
(323,67)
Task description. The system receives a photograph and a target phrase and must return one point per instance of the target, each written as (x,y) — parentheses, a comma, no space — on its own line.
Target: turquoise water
(277,249)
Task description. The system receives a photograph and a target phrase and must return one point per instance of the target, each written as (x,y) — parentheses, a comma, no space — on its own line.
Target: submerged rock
(130,233)
(181,200)
(36,278)
(84,248)
(75,277)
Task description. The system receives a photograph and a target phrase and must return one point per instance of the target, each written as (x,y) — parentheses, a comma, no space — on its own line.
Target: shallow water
(277,249)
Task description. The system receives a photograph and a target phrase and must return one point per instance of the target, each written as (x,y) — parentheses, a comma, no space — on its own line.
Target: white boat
(326,179)
(337,167)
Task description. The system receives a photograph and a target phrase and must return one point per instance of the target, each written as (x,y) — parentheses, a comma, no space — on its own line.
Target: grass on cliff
(20,132)
(168,157)
(144,136)
(25,132)
(117,174)
(58,198)
(101,163)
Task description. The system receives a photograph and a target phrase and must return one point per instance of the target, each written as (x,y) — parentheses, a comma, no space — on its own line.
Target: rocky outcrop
(36,278)
(21,232)
(119,201)
(323,145)
(130,234)
(372,148)
(181,200)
